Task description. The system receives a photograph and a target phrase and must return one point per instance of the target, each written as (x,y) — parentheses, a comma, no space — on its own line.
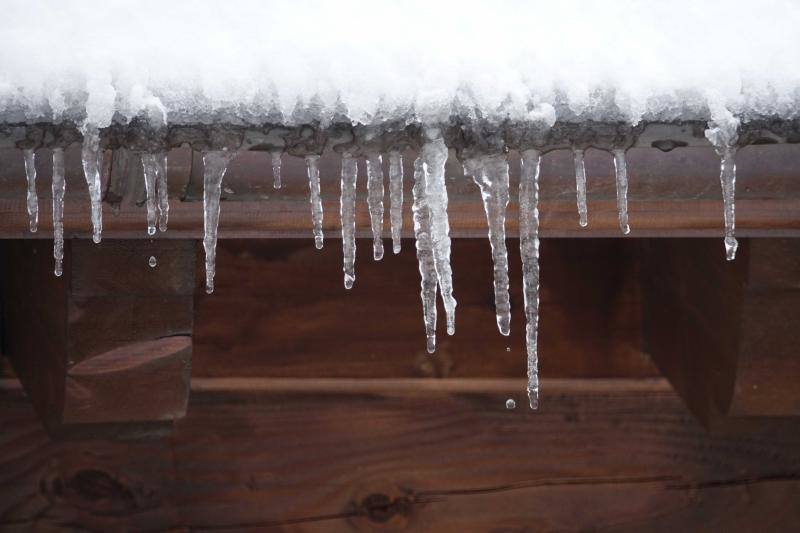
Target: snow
(98,61)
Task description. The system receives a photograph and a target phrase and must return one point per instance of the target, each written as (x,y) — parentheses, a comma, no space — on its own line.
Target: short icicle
(580,187)
(347,212)
(276,169)
(312,166)
(491,175)
(163,191)
(723,133)
(434,156)
(58,190)
(621,171)
(375,194)
(529,252)
(427,269)
(32,199)
(149,166)
(92,160)
(215,164)
(396,198)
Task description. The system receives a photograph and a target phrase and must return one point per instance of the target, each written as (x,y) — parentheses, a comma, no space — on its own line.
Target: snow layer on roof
(100,61)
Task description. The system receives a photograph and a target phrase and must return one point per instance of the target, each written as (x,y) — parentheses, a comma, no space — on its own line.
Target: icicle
(580,186)
(723,134)
(149,165)
(58,188)
(427,269)
(434,157)
(215,164)
(163,192)
(375,202)
(529,252)
(276,169)
(621,168)
(396,198)
(347,212)
(32,199)
(316,200)
(490,173)
(92,159)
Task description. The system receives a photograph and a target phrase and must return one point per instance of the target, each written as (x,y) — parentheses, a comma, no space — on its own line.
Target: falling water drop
(511,404)
(621,170)
(276,169)
(92,160)
(316,199)
(580,187)
(396,198)
(375,202)
(215,164)
(32,199)
(529,252)
(347,212)
(490,173)
(58,190)
(424,245)
(152,261)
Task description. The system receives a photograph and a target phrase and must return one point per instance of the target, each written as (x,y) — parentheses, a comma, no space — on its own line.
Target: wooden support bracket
(108,344)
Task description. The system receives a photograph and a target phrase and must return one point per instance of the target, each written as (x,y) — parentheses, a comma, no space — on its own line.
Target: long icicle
(276,169)
(580,187)
(163,192)
(434,158)
(150,167)
(92,159)
(214,166)
(529,252)
(347,212)
(375,194)
(424,245)
(490,173)
(58,189)
(312,167)
(396,199)
(723,133)
(621,171)
(32,198)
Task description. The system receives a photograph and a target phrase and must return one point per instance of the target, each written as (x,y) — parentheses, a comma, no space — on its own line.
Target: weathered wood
(725,333)
(280,309)
(109,341)
(365,455)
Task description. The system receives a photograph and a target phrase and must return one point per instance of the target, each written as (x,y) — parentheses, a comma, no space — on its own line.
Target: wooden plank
(302,455)
(280,309)
(109,341)
(728,344)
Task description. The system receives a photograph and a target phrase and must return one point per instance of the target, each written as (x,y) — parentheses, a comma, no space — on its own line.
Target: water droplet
(511,404)
(152,261)
(508,348)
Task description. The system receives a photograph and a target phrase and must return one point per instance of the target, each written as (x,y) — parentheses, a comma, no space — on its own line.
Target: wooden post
(109,342)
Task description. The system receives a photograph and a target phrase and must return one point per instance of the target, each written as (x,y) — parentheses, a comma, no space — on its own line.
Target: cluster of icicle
(431,225)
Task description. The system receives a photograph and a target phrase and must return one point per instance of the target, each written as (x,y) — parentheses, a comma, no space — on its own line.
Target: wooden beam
(725,333)
(109,341)
(309,455)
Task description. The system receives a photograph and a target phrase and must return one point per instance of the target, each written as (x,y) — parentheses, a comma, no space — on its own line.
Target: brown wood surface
(396,455)
(280,310)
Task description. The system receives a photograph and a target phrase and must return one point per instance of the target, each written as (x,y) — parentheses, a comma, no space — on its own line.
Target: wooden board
(407,455)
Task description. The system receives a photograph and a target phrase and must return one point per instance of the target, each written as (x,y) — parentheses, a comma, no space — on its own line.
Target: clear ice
(490,173)
(214,166)
(154,173)
(92,160)
(580,187)
(276,169)
(434,156)
(316,200)
(427,269)
(529,252)
(375,202)
(347,212)
(621,171)
(723,134)
(58,189)
(32,199)
(163,191)
(396,198)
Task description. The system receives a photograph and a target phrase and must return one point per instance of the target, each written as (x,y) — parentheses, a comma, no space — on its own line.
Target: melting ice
(92,160)
(312,165)
(347,212)
(215,164)
(32,199)
(375,202)
(723,133)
